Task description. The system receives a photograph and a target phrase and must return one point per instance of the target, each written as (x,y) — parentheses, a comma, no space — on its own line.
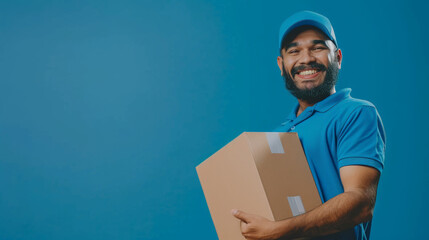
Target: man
(343,138)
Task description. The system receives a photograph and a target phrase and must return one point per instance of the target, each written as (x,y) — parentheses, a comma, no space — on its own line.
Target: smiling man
(343,138)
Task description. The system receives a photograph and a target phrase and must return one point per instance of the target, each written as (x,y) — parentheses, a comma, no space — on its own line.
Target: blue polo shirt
(336,132)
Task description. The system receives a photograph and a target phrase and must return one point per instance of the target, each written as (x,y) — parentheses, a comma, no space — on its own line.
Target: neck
(305,104)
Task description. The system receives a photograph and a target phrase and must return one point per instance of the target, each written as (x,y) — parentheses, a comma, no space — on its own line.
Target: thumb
(241,215)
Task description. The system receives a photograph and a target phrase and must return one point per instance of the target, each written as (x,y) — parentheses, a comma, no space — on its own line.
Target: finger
(240,215)
(244,231)
(243,227)
(248,236)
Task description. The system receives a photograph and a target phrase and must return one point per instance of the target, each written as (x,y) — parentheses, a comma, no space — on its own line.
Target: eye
(292,51)
(319,48)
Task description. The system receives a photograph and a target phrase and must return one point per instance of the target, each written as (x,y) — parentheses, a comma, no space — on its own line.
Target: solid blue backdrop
(107,107)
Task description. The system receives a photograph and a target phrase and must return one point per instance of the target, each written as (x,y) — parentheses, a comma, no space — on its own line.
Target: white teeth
(307,72)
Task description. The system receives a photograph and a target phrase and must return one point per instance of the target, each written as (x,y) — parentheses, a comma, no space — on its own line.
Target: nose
(306,57)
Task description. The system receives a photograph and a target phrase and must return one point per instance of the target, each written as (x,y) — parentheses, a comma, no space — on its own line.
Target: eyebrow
(294,44)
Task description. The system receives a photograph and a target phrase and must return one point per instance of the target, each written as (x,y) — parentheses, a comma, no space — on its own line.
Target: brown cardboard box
(260,173)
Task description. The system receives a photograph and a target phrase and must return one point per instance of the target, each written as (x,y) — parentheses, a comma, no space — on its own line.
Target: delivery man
(343,138)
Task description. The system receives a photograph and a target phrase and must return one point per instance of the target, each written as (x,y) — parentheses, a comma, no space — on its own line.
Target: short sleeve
(362,139)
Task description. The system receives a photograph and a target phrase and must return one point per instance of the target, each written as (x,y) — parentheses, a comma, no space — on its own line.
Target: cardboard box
(260,173)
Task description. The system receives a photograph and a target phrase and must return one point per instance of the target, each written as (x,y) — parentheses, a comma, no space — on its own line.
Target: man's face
(309,65)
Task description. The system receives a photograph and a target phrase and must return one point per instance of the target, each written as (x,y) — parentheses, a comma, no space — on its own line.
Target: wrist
(285,227)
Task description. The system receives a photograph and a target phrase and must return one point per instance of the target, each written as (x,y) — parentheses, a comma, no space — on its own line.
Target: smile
(308,74)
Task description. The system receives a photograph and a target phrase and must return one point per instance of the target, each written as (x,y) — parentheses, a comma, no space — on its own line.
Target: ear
(280,64)
(339,58)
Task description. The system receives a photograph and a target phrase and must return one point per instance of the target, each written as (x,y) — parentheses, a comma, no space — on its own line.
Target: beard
(315,94)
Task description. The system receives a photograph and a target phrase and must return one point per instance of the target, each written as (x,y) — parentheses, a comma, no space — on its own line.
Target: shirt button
(292,128)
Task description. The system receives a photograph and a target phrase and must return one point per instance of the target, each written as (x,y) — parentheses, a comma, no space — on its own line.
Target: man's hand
(340,213)
(254,227)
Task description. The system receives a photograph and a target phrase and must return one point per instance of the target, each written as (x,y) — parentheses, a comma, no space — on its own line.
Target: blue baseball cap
(307,18)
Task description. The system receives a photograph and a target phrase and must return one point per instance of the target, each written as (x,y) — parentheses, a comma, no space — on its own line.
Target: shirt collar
(325,104)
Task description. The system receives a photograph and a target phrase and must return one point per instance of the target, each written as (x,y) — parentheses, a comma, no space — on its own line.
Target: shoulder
(350,107)
(342,103)
(355,103)
(353,112)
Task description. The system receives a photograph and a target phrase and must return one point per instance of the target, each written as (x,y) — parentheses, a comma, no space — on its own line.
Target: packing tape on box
(296,205)
(273,139)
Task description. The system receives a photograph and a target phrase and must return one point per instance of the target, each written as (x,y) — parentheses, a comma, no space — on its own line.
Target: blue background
(106,107)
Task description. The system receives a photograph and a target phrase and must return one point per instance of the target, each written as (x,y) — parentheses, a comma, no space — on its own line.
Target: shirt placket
(302,117)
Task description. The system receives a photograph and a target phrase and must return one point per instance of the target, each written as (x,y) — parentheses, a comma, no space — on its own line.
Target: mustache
(318,66)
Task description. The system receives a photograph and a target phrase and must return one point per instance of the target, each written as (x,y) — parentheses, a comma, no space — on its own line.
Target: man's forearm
(339,213)
(342,212)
